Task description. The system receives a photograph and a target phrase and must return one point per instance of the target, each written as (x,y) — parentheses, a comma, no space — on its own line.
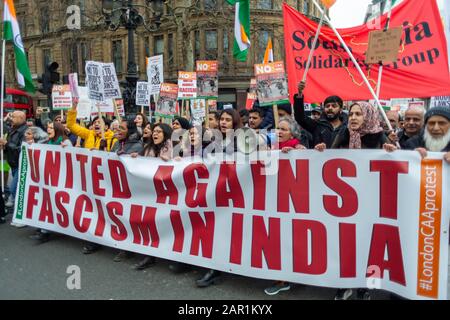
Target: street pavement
(29,270)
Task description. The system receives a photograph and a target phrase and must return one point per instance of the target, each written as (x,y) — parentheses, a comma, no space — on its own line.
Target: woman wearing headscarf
(364,131)
(180,127)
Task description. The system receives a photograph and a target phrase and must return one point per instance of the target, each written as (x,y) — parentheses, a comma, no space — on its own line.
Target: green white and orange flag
(11,32)
(268,55)
(328,3)
(241,29)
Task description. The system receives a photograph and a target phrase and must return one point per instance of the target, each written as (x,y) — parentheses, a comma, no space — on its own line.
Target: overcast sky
(350,13)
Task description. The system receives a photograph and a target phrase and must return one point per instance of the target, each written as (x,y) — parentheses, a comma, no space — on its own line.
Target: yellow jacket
(91,140)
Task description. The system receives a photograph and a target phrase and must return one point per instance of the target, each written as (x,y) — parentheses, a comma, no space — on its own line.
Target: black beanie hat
(443,111)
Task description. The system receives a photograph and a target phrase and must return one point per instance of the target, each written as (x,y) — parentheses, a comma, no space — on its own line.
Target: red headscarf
(371,124)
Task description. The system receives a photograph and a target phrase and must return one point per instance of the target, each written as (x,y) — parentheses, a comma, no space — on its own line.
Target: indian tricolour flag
(268,55)
(11,32)
(241,29)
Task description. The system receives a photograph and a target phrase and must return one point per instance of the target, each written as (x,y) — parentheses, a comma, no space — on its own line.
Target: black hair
(131,126)
(167,133)
(258,110)
(334,99)
(243,112)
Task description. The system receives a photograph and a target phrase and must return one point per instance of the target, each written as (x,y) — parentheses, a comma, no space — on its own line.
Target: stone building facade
(188,30)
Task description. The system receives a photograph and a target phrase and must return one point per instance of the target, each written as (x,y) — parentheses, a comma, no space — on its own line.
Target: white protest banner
(271,84)
(94,80)
(84,104)
(207,79)
(187,85)
(155,73)
(111,88)
(73,83)
(443,101)
(142,93)
(61,97)
(339,218)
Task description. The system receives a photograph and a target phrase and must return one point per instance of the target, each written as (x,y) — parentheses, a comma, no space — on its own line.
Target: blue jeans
(14,181)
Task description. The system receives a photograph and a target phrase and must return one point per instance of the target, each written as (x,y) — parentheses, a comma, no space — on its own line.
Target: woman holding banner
(160,146)
(364,131)
(56,136)
(229,122)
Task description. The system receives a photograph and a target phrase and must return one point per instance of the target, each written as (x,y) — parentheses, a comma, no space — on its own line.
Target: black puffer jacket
(368,141)
(322,131)
(12,147)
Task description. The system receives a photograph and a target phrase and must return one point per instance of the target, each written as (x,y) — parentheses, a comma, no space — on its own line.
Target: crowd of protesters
(329,127)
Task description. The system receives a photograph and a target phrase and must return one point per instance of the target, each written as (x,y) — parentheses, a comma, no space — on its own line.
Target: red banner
(421,69)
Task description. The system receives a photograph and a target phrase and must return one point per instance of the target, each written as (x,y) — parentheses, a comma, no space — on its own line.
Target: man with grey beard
(435,137)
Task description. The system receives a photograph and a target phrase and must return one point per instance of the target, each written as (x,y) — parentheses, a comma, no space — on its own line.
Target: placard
(271,84)
(384,45)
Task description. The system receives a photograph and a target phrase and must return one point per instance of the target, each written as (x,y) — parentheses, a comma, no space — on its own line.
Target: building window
(263,39)
(85,56)
(210,4)
(211,44)
(22,25)
(226,49)
(45,22)
(117,56)
(82,4)
(264,4)
(46,58)
(73,59)
(158,6)
(197,45)
(158,45)
(306,7)
(170,48)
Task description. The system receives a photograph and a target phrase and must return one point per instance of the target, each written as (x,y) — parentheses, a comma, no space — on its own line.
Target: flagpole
(2,101)
(311,53)
(386,27)
(356,65)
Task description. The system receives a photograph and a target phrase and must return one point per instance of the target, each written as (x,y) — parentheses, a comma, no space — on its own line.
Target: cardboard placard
(61,97)
(251,95)
(271,84)
(384,45)
(207,79)
(94,80)
(73,83)
(111,88)
(155,73)
(142,94)
(167,102)
(84,104)
(187,85)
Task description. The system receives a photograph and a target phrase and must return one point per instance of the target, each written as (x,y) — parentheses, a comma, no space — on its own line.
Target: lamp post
(123,13)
